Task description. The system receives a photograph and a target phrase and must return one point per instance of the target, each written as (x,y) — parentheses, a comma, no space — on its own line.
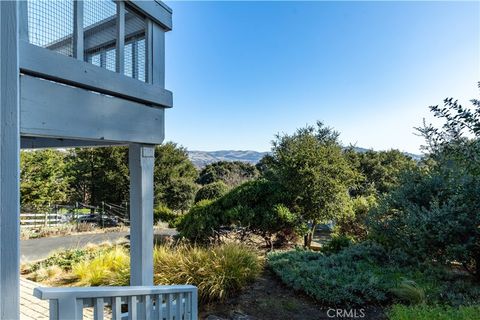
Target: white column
(9,162)
(141,162)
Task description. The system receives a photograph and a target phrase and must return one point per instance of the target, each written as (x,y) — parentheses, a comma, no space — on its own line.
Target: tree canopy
(312,168)
(232,173)
(42,178)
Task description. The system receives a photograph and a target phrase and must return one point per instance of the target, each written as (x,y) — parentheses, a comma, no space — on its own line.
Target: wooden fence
(35,220)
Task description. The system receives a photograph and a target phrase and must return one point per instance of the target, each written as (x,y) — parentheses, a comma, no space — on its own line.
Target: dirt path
(269,299)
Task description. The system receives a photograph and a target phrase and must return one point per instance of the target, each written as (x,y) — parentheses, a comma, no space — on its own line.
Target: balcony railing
(178,302)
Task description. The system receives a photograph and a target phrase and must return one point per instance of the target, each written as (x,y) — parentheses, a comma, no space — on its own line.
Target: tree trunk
(307,239)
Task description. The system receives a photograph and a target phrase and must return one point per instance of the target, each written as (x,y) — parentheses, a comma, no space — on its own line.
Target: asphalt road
(37,249)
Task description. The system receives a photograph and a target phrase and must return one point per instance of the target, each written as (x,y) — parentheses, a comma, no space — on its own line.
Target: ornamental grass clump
(112,267)
(217,272)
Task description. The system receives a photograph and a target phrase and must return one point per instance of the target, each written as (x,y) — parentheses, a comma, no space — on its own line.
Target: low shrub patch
(365,274)
(423,312)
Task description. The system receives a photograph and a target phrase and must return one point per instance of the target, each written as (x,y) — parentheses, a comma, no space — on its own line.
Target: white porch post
(9,162)
(141,161)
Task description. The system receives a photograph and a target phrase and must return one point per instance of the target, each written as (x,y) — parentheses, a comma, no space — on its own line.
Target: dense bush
(253,207)
(202,222)
(165,214)
(211,191)
(336,244)
(433,215)
(423,312)
(355,225)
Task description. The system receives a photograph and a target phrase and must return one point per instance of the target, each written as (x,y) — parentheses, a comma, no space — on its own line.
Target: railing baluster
(184,305)
(194,306)
(178,306)
(147,307)
(188,306)
(159,307)
(98,305)
(80,309)
(169,303)
(53,307)
(116,308)
(132,308)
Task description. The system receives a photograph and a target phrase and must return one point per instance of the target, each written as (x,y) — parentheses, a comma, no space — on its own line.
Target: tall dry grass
(217,271)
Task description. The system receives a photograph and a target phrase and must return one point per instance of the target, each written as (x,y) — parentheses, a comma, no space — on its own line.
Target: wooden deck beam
(50,109)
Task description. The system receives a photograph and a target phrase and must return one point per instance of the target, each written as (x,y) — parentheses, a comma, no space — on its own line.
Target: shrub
(201,222)
(355,226)
(337,244)
(66,258)
(254,207)
(211,191)
(433,216)
(164,214)
(423,312)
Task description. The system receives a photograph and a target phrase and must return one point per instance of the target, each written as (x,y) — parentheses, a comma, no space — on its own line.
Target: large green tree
(232,173)
(99,174)
(42,178)
(174,177)
(377,173)
(380,171)
(312,168)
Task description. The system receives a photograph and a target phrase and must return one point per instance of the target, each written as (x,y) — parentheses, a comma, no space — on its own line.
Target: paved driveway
(36,249)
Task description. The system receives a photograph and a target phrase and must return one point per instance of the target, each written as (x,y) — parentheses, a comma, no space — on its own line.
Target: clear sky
(243,71)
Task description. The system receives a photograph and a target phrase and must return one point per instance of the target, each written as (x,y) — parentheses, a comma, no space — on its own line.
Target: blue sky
(243,71)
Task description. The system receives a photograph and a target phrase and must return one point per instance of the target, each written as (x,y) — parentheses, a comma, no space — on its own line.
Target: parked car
(99,220)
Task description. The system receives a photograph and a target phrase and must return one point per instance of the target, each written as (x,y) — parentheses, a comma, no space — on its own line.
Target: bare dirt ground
(269,299)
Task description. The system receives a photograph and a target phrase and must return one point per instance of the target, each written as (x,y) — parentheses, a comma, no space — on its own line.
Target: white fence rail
(34,220)
(177,302)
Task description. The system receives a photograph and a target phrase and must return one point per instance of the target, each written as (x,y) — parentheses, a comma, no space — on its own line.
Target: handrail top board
(99,292)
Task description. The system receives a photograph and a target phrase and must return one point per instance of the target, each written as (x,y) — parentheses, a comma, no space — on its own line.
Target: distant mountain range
(201,158)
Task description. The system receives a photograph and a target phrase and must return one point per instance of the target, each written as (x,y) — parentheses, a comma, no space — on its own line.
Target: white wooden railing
(178,302)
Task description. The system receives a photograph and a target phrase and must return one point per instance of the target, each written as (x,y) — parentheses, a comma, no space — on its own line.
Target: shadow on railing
(177,302)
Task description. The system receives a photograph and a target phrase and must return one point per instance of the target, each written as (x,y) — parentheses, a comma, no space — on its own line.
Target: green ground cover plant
(366,274)
(423,312)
